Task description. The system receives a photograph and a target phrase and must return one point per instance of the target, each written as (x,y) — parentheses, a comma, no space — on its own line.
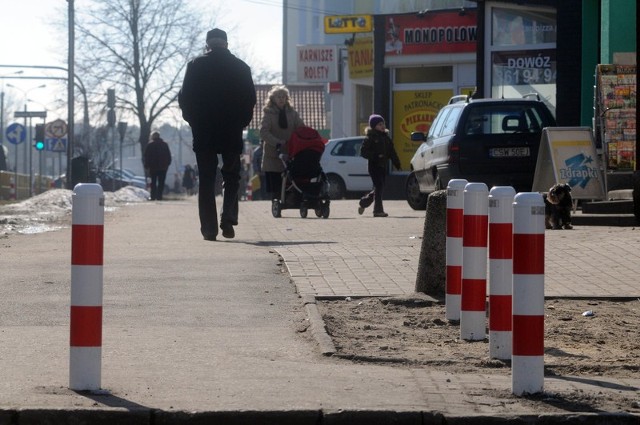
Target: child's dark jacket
(378,149)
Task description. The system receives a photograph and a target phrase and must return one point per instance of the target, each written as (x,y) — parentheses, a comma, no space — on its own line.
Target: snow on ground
(51,210)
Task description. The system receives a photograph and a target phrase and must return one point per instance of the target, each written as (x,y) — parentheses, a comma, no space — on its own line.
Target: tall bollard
(500,270)
(527,361)
(474,262)
(87,244)
(453,283)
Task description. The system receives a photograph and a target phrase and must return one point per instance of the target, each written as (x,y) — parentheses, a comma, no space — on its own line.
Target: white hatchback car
(345,169)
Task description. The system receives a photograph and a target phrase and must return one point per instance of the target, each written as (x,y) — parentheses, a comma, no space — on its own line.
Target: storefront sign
(318,64)
(361,58)
(348,24)
(434,32)
(515,27)
(524,67)
(414,110)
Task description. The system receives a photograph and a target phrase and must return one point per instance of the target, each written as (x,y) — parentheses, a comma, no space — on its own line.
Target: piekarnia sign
(318,63)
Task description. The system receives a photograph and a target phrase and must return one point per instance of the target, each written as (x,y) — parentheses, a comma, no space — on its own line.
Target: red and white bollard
(500,270)
(12,189)
(474,262)
(87,247)
(455,224)
(527,361)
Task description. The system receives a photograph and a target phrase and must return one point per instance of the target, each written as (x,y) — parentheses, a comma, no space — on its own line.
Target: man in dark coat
(157,158)
(217,100)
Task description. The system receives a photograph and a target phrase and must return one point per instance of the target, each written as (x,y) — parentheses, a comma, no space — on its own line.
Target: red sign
(433,32)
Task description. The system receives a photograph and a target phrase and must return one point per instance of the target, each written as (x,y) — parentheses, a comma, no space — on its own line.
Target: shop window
(425,74)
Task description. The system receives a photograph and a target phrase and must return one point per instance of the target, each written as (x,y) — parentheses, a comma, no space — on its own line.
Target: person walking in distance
(157,158)
(378,149)
(217,100)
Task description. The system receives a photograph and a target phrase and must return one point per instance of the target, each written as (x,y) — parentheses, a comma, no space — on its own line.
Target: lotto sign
(318,64)
(348,24)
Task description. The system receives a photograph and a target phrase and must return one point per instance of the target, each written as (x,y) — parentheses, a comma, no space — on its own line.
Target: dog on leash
(557,207)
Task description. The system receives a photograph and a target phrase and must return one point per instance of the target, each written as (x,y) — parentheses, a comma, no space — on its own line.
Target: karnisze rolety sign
(348,24)
(318,63)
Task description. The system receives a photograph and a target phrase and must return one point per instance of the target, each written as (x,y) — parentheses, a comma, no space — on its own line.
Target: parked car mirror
(418,136)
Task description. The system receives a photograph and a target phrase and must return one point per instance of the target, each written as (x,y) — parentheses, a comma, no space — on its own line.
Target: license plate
(509,152)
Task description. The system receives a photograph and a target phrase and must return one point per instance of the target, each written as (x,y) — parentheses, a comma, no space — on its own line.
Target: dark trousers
(378,176)
(207,167)
(273,180)
(157,183)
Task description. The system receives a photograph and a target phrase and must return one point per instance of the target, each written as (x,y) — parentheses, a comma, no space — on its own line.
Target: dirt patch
(590,338)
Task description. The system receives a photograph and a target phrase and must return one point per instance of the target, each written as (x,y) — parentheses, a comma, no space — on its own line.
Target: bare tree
(139,48)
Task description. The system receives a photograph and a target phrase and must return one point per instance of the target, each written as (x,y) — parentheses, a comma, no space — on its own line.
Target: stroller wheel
(304,211)
(276,208)
(318,212)
(325,211)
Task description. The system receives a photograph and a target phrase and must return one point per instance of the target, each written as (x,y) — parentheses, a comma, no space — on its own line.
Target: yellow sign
(346,24)
(361,58)
(414,110)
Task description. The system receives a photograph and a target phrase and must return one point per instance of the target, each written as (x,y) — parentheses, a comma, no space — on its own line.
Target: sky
(27,38)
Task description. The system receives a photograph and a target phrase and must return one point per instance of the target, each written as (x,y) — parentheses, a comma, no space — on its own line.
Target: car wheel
(416,199)
(325,211)
(276,208)
(336,187)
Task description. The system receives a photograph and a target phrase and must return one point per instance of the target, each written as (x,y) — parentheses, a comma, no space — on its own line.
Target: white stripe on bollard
(87,245)
(474,262)
(500,270)
(527,361)
(453,283)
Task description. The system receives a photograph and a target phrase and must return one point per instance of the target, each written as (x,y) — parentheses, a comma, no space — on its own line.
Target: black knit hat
(374,120)
(217,33)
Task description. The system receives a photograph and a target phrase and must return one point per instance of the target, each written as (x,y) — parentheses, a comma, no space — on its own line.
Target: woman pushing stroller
(279,121)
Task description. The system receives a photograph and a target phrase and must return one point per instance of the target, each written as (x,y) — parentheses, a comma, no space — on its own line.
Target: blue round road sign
(16,133)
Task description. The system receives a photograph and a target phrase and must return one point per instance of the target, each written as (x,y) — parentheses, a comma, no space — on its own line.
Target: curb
(318,328)
(298,417)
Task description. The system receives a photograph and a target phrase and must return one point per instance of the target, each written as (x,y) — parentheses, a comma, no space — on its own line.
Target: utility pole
(70,93)
(111,121)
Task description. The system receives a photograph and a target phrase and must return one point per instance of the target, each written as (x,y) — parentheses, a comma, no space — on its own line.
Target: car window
(501,119)
(347,148)
(436,127)
(449,125)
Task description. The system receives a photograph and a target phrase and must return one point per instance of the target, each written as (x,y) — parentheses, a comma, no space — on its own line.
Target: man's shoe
(227,231)
(380,214)
(360,210)
(210,238)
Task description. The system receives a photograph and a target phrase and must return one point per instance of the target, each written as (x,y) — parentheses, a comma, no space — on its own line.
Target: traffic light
(39,145)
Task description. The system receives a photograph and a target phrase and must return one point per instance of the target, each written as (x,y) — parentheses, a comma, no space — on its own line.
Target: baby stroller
(304,184)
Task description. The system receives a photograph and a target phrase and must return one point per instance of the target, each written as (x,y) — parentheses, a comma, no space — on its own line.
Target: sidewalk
(199,332)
